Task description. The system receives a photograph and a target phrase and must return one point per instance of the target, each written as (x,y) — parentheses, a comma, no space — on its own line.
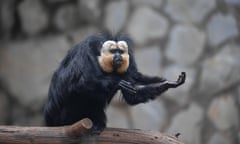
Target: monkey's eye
(112,51)
(116,50)
(121,51)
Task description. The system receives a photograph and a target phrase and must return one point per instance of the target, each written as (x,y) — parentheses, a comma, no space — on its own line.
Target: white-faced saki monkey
(89,76)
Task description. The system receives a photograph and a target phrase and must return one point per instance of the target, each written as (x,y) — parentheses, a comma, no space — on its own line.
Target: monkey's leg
(168,84)
(135,94)
(171,84)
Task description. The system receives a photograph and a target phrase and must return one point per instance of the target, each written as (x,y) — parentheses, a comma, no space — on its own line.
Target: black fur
(80,89)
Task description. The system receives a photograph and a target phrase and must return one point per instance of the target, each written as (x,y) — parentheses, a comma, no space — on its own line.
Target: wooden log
(80,128)
(79,133)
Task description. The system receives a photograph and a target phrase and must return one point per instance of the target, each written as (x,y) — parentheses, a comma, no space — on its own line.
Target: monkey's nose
(117,61)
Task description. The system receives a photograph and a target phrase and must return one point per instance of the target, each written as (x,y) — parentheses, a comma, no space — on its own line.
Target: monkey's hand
(181,80)
(127,86)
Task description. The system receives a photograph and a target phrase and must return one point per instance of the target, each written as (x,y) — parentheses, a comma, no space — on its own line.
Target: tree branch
(79,133)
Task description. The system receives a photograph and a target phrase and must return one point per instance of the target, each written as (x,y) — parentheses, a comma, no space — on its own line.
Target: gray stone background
(200,37)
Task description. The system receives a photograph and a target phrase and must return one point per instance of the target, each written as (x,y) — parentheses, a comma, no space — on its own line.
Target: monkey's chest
(105,96)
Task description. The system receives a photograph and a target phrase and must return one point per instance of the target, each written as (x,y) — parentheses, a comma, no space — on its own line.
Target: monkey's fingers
(127,86)
(128,89)
(181,78)
(180,81)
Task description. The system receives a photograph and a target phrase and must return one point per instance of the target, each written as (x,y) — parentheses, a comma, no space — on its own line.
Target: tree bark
(80,133)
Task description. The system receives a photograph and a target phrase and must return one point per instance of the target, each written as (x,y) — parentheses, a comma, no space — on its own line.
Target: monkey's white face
(114,56)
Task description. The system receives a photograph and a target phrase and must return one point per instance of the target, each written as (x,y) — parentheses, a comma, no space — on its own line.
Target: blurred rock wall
(200,37)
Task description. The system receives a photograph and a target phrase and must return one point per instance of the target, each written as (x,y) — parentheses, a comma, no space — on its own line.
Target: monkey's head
(114,56)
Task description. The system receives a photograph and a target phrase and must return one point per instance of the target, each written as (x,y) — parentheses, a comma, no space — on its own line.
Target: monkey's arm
(143,79)
(134,94)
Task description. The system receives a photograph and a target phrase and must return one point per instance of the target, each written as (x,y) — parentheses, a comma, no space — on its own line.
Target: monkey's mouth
(117,62)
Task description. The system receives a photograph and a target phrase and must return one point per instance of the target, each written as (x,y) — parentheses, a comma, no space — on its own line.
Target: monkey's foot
(96,130)
(127,86)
